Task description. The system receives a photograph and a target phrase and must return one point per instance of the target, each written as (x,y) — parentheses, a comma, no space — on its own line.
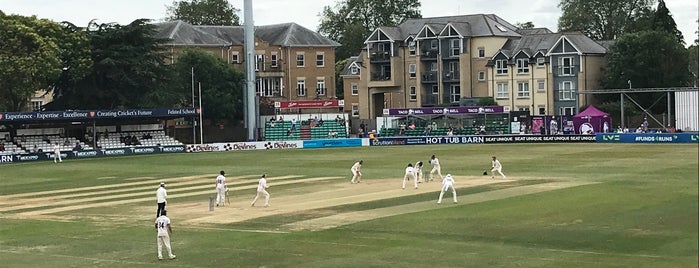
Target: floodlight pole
(201,124)
(194,120)
(249,30)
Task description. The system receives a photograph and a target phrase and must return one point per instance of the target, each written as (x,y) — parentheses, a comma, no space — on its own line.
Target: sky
(543,13)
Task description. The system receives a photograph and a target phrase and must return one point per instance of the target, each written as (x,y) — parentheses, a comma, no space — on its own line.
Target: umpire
(161,195)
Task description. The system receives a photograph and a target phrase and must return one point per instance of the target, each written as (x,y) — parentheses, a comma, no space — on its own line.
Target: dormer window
(540,62)
(411,48)
(502,29)
(354,70)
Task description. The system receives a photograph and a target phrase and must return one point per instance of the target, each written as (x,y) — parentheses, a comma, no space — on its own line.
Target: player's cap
(162,183)
(448,175)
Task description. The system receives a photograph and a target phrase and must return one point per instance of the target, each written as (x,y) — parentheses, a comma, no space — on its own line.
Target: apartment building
(442,61)
(544,72)
(291,62)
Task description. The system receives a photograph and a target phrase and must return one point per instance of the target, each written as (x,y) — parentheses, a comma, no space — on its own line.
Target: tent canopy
(591,111)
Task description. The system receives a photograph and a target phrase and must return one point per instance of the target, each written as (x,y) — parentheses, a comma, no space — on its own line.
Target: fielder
(409,174)
(356,171)
(161,195)
(162,224)
(221,189)
(57,153)
(447,183)
(435,168)
(496,167)
(418,172)
(261,189)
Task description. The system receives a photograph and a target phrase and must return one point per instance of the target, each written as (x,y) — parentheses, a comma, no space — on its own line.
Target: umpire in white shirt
(161,195)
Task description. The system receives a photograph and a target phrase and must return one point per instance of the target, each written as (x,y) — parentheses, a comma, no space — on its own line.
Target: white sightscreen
(687,110)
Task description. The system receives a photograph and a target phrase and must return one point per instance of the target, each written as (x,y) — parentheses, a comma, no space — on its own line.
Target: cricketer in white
(221,189)
(261,189)
(447,182)
(162,224)
(410,174)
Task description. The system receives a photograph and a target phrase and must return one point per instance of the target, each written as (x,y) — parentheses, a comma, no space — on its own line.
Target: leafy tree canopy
(34,53)
(204,12)
(222,86)
(600,19)
(349,22)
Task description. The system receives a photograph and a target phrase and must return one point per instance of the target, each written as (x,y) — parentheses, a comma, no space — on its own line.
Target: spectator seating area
(279,131)
(45,143)
(494,125)
(136,138)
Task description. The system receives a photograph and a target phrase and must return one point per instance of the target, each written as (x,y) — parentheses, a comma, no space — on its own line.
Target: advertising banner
(648,138)
(445,110)
(355,142)
(244,146)
(18,158)
(481,139)
(309,104)
(97,114)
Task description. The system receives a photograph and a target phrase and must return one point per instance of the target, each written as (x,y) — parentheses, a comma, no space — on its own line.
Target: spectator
(320,122)
(2,147)
(482,130)
(288,132)
(426,132)
(360,133)
(411,125)
(272,121)
(293,124)
(362,125)
(77,147)
(450,132)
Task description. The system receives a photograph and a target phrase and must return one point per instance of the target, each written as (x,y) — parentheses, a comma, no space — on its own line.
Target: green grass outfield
(636,205)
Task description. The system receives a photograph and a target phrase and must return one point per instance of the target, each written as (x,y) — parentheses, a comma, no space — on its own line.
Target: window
(434,44)
(502,91)
(354,69)
(455,47)
(267,86)
(412,70)
(413,93)
(235,58)
(411,48)
(381,47)
(522,66)
(523,90)
(274,60)
(320,60)
(355,109)
(567,110)
(259,62)
(481,52)
(300,60)
(565,66)
(565,92)
(435,89)
(433,67)
(320,87)
(452,71)
(542,110)
(481,76)
(542,85)
(501,67)
(540,62)
(355,89)
(523,108)
(301,87)
(36,105)
(454,93)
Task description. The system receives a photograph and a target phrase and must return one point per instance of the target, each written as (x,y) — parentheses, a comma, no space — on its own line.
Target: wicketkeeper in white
(261,190)
(435,168)
(409,174)
(162,224)
(496,167)
(447,182)
(357,172)
(221,189)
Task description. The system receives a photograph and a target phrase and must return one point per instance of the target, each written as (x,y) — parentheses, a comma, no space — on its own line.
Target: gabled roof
(352,61)
(530,43)
(286,34)
(477,25)
(581,43)
(542,30)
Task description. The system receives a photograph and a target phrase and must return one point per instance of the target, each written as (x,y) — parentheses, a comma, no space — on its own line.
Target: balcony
(380,76)
(565,70)
(380,56)
(429,55)
(451,77)
(429,77)
(429,99)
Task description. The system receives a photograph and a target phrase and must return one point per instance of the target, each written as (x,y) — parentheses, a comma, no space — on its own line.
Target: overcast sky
(544,13)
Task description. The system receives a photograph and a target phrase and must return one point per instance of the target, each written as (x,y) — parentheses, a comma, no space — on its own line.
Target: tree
(648,59)
(128,70)
(525,25)
(693,57)
(663,21)
(34,53)
(204,12)
(487,101)
(222,86)
(600,19)
(350,22)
